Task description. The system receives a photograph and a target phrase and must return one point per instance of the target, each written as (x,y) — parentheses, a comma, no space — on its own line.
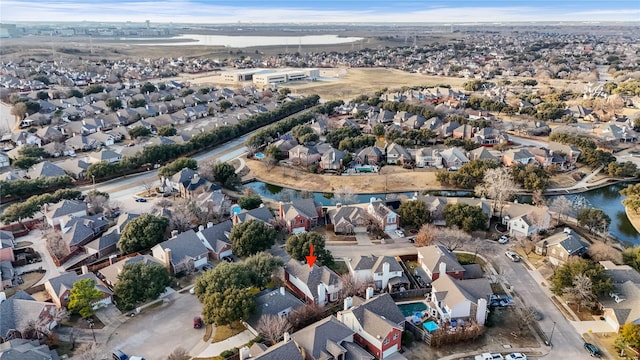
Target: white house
(383,271)
(386,218)
(524,220)
(318,285)
(453,299)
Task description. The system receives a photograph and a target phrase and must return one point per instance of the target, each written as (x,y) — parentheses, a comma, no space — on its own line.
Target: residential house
(284,145)
(183,253)
(45,169)
(612,132)
(397,154)
(464,132)
(59,288)
(77,168)
(328,339)
(7,274)
(482,153)
(102,139)
(300,215)
(104,245)
(110,273)
(107,155)
(454,299)
(485,205)
(316,284)
(49,134)
(370,155)
(348,219)
(569,152)
(385,272)
(286,349)
(81,143)
(545,157)
(18,348)
(446,130)
(185,182)
(7,243)
(78,231)
(304,155)
(383,215)
(517,156)
(560,246)
(524,220)
(377,322)
(332,159)
(435,205)
(277,302)
(622,305)
(490,136)
(436,260)
(54,213)
(216,239)
(213,203)
(261,213)
(425,157)
(414,122)
(4,160)
(453,158)
(19,310)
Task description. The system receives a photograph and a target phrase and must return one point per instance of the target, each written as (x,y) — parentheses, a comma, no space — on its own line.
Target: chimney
(286,336)
(85,269)
(195,179)
(348,303)
(338,205)
(244,353)
(369,293)
(442,268)
(174,233)
(112,259)
(209,224)
(167,258)
(282,292)
(200,228)
(385,268)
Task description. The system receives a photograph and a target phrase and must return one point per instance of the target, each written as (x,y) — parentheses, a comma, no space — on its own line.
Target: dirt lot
(494,338)
(390,179)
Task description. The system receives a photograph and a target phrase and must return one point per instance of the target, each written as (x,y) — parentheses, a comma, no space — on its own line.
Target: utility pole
(551,336)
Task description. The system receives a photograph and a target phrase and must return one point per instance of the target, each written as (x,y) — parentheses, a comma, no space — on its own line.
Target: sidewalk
(232,342)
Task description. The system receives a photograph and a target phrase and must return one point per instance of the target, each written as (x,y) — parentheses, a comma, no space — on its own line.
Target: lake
(246,41)
(608,199)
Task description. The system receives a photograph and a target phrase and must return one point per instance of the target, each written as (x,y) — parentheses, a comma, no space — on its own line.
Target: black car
(228,259)
(592,349)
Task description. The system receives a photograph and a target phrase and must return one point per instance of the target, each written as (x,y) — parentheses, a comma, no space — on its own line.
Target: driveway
(155,333)
(40,245)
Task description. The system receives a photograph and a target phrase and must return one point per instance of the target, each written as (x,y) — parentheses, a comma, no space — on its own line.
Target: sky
(307,11)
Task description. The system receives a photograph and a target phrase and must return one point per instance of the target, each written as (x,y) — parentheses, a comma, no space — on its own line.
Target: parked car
(592,349)
(141,200)
(503,239)
(412,239)
(513,256)
(228,259)
(488,356)
(500,300)
(400,233)
(206,267)
(197,322)
(119,355)
(516,356)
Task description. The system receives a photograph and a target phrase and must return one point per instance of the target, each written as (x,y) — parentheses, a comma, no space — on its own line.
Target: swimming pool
(412,308)
(259,156)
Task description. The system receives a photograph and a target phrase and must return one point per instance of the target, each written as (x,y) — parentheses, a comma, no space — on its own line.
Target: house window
(386,341)
(395,336)
(553,251)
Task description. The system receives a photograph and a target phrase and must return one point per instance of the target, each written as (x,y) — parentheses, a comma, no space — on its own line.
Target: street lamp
(93,178)
(550,336)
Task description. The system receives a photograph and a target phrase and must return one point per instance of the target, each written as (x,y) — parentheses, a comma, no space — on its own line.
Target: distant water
(247,41)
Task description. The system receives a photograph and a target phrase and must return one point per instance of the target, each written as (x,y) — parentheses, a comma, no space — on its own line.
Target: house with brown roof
(383,215)
(317,284)
(59,288)
(436,260)
(559,247)
(300,215)
(377,322)
(110,273)
(348,219)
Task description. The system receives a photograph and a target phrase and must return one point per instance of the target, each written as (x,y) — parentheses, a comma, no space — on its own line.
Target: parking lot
(155,333)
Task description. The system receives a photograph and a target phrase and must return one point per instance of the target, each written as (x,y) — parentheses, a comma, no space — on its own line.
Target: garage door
(389,351)
(226,253)
(390,227)
(299,230)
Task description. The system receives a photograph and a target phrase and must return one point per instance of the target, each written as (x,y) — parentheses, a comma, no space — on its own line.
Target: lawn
(226,331)
(64,348)
(29,279)
(606,341)
(466,259)
(340,267)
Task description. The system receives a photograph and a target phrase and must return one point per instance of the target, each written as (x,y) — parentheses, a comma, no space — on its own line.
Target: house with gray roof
(59,288)
(183,253)
(216,239)
(104,245)
(482,153)
(325,339)
(571,153)
(300,215)
(517,156)
(25,349)
(383,215)
(4,159)
(436,260)
(185,182)
(397,154)
(261,213)
(45,169)
(18,310)
(348,219)
(107,155)
(316,284)
(77,168)
(454,299)
(332,159)
(304,155)
(110,273)
(280,351)
(559,247)
(278,302)
(55,212)
(622,305)
(425,157)
(382,271)
(453,158)
(370,155)
(377,322)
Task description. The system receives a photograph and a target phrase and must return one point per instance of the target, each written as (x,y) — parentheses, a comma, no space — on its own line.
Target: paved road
(528,142)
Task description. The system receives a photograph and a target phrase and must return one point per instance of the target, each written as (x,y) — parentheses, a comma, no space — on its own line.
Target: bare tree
(90,351)
(56,243)
(497,184)
(452,238)
(352,286)
(148,186)
(561,206)
(427,235)
(527,316)
(35,330)
(305,315)
(272,327)
(344,195)
(163,203)
(98,203)
(526,245)
(181,216)
(599,251)
(581,292)
(179,354)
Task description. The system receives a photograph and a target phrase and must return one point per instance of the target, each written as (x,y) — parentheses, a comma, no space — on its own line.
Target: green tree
(142,233)
(565,275)
(82,297)
(139,131)
(251,237)
(467,217)
(468,176)
(298,247)
(224,276)
(42,95)
(631,257)
(414,214)
(177,165)
(136,103)
(272,151)
(250,201)
(378,129)
(225,174)
(114,103)
(595,220)
(224,105)
(128,290)
(75,93)
(629,335)
(262,266)
(223,308)
(531,177)
(147,88)
(167,131)
(93,89)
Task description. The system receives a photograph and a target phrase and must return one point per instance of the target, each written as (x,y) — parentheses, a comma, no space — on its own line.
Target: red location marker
(311,259)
